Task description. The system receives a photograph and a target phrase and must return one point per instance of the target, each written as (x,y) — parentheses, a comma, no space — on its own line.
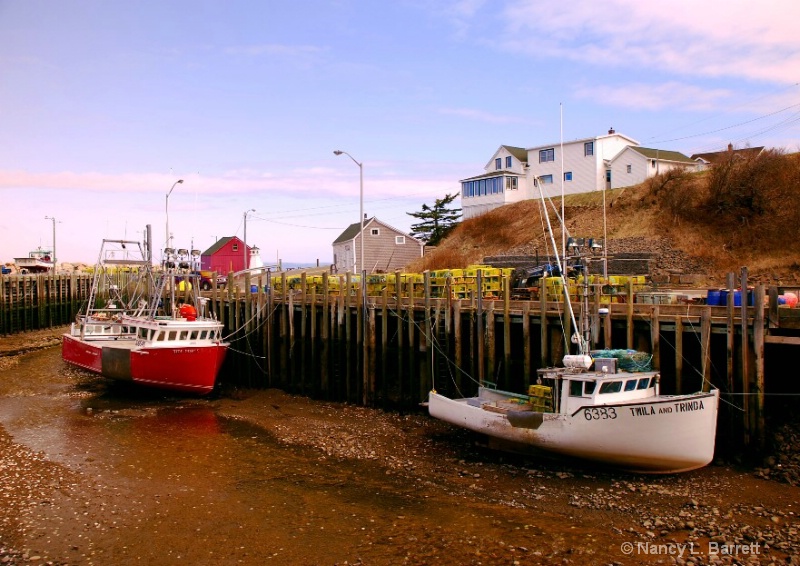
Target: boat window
(588,387)
(173,334)
(159,336)
(143,333)
(611,387)
(183,336)
(203,334)
(575,388)
(194,335)
(652,382)
(630,385)
(643,383)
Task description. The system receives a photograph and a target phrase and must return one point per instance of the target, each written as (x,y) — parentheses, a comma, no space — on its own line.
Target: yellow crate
(540,391)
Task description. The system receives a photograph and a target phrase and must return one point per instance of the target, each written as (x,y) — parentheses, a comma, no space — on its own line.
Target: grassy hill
(742,212)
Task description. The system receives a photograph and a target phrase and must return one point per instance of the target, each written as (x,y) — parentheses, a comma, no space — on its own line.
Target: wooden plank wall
(33,302)
(315,344)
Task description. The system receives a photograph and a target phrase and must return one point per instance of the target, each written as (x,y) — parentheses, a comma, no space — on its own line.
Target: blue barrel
(737,298)
(254,288)
(713,297)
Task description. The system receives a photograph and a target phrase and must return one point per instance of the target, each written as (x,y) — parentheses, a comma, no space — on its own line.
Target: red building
(228,254)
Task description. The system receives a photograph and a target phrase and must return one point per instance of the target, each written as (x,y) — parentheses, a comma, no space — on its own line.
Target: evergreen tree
(437,220)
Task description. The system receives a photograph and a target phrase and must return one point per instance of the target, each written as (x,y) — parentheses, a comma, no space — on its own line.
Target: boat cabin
(572,390)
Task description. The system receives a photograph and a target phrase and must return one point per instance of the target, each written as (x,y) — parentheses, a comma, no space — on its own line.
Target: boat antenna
(582,349)
(563,224)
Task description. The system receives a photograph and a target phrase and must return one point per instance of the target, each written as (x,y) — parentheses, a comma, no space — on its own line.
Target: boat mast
(582,349)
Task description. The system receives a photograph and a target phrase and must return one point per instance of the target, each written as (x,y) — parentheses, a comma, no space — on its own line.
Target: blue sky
(105,104)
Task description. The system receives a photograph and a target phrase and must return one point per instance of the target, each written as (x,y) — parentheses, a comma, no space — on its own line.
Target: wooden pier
(390,349)
(32,302)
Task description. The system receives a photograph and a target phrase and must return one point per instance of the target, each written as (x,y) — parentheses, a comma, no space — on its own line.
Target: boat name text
(679,407)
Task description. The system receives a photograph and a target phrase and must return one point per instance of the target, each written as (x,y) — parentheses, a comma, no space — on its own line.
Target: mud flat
(91,473)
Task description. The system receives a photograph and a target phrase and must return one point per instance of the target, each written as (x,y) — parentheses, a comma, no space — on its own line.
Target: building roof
(219,244)
(519,152)
(490,174)
(353,230)
(716,156)
(662,154)
(610,134)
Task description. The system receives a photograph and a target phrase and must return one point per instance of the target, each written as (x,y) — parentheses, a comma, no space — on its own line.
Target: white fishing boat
(153,331)
(615,418)
(38,261)
(590,410)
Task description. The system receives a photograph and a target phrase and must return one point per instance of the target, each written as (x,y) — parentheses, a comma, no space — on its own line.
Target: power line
(727,127)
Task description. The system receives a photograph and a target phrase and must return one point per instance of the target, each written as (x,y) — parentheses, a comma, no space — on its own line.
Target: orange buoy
(188,312)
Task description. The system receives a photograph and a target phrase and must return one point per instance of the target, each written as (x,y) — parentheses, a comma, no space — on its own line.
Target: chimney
(730,147)
(610,131)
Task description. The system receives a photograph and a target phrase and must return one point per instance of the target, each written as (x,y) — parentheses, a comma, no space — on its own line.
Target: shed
(386,248)
(227,254)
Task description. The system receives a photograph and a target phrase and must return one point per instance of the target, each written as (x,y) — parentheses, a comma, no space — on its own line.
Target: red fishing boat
(152,330)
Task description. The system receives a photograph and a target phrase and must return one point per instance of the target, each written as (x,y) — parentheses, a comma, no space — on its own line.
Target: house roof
(498,173)
(519,152)
(662,154)
(219,244)
(584,140)
(716,156)
(353,230)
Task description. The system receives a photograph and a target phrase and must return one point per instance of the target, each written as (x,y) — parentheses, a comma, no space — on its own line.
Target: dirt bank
(263,476)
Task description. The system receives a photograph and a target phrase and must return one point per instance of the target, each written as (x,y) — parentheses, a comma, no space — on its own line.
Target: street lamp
(245,236)
(361,208)
(53,218)
(166,244)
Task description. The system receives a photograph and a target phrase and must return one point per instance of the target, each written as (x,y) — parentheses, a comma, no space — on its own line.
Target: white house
(634,164)
(589,164)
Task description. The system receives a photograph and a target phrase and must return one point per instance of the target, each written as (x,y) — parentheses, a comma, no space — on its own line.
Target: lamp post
(166,243)
(53,218)
(245,236)
(364,349)
(361,209)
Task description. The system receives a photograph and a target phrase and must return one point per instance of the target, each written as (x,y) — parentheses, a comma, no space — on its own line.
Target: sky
(105,104)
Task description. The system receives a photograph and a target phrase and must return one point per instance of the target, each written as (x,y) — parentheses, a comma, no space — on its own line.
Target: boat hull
(663,435)
(190,369)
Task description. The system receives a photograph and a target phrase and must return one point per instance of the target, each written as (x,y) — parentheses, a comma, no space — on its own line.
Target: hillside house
(588,165)
(227,254)
(634,165)
(386,249)
(705,160)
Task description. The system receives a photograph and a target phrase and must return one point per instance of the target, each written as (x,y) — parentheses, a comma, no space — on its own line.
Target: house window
(629,168)
(608,175)
(653,163)
(498,163)
(375,231)
(546,179)
(568,176)
(546,155)
(235,247)
(511,183)
(399,240)
(588,148)
(508,162)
